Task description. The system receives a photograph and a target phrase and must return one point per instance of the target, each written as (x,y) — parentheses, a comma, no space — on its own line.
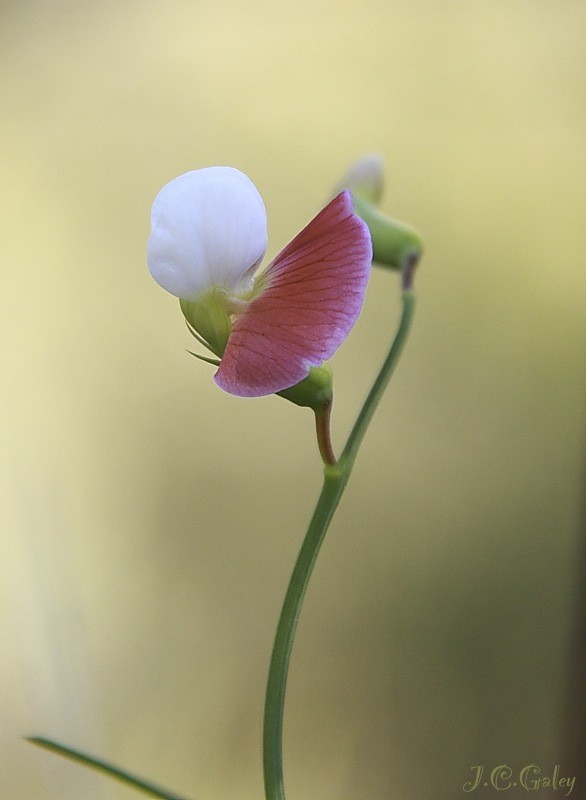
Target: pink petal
(311,297)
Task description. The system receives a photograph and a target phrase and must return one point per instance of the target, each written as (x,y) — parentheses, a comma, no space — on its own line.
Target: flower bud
(395,244)
(365,178)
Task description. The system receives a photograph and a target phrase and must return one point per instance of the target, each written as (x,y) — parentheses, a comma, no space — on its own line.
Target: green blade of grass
(103,766)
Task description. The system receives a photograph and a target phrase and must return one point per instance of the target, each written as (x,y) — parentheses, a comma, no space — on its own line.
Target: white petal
(209,227)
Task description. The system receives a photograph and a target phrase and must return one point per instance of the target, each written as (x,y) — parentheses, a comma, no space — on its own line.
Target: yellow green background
(149,522)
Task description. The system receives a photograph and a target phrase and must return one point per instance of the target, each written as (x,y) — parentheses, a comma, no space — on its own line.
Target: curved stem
(380,384)
(335,479)
(333,486)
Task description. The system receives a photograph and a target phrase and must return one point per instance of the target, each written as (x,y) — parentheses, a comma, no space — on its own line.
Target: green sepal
(214,361)
(199,338)
(315,391)
(208,317)
(394,243)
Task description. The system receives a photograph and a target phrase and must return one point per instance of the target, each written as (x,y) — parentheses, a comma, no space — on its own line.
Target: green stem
(335,479)
(380,384)
(103,766)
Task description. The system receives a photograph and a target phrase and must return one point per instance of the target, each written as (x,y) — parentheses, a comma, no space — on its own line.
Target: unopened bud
(394,244)
(365,178)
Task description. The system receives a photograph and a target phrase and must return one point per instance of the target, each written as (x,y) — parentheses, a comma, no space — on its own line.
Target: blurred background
(149,522)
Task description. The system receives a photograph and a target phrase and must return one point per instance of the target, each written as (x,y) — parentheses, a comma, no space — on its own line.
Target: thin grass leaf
(103,766)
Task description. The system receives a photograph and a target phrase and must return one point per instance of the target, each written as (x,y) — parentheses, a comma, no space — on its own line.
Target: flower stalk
(336,476)
(324,438)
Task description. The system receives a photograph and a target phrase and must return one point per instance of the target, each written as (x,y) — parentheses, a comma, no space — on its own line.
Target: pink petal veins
(311,296)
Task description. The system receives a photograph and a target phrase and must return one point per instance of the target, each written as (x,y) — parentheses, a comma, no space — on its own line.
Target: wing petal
(310,297)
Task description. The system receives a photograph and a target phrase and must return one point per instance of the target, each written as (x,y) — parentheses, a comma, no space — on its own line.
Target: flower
(209,234)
